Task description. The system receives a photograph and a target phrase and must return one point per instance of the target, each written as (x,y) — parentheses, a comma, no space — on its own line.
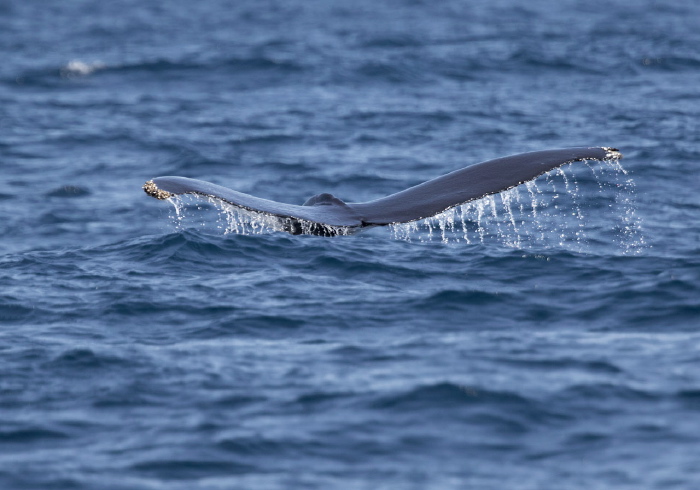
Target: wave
(32,434)
(77,70)
(183,468)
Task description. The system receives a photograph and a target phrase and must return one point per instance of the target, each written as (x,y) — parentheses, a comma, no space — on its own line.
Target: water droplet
(579,206)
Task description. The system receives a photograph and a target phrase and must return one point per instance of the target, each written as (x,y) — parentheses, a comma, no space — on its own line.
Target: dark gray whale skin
(325,214)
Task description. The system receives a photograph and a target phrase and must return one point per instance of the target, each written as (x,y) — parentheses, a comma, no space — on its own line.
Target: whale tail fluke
(327,215)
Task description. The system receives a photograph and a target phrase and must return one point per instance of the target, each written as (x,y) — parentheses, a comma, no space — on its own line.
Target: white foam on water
(77,68)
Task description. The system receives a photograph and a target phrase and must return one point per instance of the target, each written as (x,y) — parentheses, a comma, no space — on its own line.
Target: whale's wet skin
(523,325)
(325,214)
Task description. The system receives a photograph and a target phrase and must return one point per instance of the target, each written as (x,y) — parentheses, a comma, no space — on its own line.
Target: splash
(216,216)
(573,207)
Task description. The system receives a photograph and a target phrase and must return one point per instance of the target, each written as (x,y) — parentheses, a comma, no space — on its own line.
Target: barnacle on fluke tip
(612,153)
(152,190)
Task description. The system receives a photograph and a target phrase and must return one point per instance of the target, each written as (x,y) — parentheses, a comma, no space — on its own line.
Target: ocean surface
(545,338)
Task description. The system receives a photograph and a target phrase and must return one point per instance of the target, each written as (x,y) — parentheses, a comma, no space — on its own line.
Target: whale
(326,215)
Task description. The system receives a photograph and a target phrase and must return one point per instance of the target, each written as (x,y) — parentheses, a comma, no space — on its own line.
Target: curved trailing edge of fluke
(325,214)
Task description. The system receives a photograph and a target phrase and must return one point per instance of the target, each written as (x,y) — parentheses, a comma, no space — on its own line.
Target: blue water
(551,345)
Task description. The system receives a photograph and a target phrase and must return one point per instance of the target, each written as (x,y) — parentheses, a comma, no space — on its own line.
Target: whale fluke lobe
(325,214)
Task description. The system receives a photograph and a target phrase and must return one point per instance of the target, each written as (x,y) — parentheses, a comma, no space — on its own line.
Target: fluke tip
(612,153)
(152,190)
